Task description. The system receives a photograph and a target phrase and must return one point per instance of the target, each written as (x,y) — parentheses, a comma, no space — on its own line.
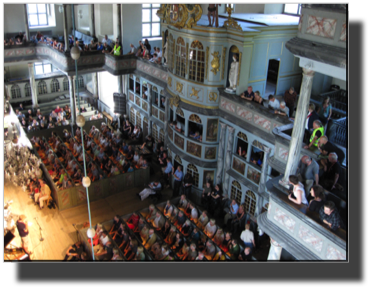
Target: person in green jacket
(116,49)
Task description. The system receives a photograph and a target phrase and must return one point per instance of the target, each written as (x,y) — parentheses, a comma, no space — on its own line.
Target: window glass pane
(146,15)
(155,18)
(291,8)
(146,30)
(32,8)
(33,19)
(39,69)
(41,8)
(47,68)
(146,5)
(42,19)
(155,29)
(156,5)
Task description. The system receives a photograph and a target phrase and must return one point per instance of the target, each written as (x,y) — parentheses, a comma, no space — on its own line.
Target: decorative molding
(224,61)
(213,96)
(215,62)
(206,68)
(179,112)
(169,81)
(240,60)
(187,58)
(180,15)
(194,93)
(155,89)
(231,23)
(242,136)
(174,101)
(195,118)
(179,87)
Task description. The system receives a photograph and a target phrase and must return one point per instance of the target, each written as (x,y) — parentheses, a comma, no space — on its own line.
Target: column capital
(231,129)
(266,149)
(223,125)
(308,71)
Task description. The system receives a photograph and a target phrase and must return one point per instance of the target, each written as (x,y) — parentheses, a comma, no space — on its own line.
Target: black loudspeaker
(120,103)
(8,238)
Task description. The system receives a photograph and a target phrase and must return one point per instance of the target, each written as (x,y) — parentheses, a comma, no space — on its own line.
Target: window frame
(248,200)
(66,85)
(43,68)
(237,191)
(151,22)
(193,170)
(42,84)
(27,90)
(298,10)
(54,85)
(46,14)
(15,91)
(180,58)
(196,66)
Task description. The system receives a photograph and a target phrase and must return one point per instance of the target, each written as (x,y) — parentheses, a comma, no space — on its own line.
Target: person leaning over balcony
(273,103)
(99,46)
(248,95)
(318,132)
(290,97)
(326,147)
(116,49)
(106,48)
(330,215)
(298,191)
(282,110)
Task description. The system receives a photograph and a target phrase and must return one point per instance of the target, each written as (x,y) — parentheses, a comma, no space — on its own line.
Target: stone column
(298,127)
(222,142)
(228,159)
(117,22)
(274,251)
(263,180)
(33,87)
(120,84)
(26,23)
(65,28)
(72,101)
(95,85)
(92,19)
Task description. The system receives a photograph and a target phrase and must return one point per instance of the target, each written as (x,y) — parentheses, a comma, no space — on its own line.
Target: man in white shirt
(133,49)
(247,237)
(158,222)
(210,228)
(159,53)
(194,213)
(273,103)
(106,40)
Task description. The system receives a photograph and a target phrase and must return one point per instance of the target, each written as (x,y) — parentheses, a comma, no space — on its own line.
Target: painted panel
(262,122)
(244,113)
(310,238)
(343,35)
(212,129)
(210,152)
(285,221)
(319,26)
(238,166)
(275,48)
(259,63)
(230,107)
(64,199)
(194,149)
(335,254)
(283,154)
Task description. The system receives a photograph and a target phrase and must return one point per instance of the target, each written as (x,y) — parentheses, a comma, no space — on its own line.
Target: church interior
(175,132)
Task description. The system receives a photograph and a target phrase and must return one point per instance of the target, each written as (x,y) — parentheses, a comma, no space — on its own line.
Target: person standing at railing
(116,49)
(326,147)
(325,111)
(290,97)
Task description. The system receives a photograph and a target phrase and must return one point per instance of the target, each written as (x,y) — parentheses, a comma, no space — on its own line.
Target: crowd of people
(144,50)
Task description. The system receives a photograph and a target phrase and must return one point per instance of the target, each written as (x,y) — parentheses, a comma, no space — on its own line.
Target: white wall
(14,20)
(275,8)
(239,9)
(340,83)
(107,84)
(106,20)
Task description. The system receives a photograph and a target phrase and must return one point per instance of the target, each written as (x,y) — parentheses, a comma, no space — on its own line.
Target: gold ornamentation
(179,112)
(215,63)
(223,61)
(242,136)
(155,89)
(169,81)
(231,23)
(207,51)
(187,57)
(196,44)
(240,60)
(137,79)
(195,118)
(213,96)
(179,87)
(162,93)
(234,49)
(194,93)
(174,101)
(180,15)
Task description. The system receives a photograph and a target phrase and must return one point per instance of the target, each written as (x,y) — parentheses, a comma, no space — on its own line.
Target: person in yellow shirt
(116,49)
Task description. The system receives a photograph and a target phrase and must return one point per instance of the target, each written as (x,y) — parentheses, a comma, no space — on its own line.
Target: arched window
(250,202)
(54,85)
(133,116)
(236,192)
(180,58)
(42,87)
(195,127)
(65,84)
(81,82)
(162,134)
(194,173)
(28,91)
(15,91)
(155,133)
(197,62)
(171,52)
(138,119)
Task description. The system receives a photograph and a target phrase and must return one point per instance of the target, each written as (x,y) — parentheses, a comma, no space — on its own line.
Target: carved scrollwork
(179,87)
(213,96)
(169,81)
(215,63)
(195,118)
(180,15)
(231,23)
(194,93)
(174,101)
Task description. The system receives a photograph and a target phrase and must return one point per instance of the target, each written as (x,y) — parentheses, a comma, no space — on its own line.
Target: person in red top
(58,110)
(133,220)
(290,97)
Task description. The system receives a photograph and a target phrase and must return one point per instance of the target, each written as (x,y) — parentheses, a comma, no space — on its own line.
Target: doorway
(272,77)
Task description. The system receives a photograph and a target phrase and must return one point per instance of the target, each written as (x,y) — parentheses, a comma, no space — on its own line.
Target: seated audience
(234,250)
(282,110)
(330,215)
(318,193)
(210,228)
(246,255)
(158,222)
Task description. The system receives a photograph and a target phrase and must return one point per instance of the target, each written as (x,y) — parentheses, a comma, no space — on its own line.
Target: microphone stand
(41,238)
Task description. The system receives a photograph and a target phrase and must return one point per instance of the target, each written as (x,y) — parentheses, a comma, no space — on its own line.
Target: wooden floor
(57,226)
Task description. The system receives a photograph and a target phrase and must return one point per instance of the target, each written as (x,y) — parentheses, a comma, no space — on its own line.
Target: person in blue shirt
(232,212)
(178,175)
(167,171)
(99,47)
